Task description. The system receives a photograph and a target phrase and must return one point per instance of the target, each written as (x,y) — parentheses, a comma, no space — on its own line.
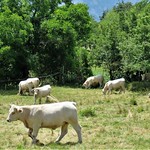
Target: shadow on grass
(9,92)
(61,144)
(13,92)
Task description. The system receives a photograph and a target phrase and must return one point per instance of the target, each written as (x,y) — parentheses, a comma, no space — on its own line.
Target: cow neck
(24,115)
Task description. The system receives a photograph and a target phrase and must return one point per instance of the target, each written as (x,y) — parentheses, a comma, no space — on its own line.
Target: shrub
(88,112)
(138,86)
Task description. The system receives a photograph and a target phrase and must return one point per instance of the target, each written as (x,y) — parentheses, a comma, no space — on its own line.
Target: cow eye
(13,113)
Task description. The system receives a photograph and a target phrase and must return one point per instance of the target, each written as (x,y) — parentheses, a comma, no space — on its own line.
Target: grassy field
(117,121)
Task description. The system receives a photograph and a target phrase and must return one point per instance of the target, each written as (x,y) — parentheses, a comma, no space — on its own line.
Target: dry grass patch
(117,121)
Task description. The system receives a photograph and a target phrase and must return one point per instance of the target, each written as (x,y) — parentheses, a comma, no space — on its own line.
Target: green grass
(117,121)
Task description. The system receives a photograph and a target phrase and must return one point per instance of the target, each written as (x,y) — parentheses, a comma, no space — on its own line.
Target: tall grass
(117,121)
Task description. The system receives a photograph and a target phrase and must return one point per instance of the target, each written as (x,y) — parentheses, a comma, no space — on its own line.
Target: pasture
(117,121)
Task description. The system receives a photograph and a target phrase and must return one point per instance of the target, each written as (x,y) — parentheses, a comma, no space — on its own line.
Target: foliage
(122,41)
(138,86)
(60,38)
(88,112)
(13,36)
(43,35)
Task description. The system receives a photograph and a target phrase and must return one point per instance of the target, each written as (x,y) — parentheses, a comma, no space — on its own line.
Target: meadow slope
(117,121)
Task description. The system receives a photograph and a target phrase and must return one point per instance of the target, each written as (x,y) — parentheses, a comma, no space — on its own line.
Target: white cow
(35,81)
(25,86)
(51,116)
(146,77)
(93,80)
(40,92)
(114,84)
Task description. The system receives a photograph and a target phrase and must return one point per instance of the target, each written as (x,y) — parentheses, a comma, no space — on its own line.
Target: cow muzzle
(8,120)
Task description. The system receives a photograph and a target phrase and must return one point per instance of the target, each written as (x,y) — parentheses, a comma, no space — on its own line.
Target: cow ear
(11,105)
(15,109)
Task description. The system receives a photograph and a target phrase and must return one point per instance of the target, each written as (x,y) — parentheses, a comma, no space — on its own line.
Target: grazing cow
(35,81)
(146,77)
(93,80)
(114,84)
(40,92)
(51,116)
(25,86)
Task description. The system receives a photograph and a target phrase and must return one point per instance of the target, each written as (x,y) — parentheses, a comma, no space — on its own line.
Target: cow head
(105,89)
(85,84)
(36,91)
(14,113)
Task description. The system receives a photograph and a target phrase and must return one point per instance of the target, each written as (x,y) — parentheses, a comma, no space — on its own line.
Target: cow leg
(120,90)
(63,132)
(109,91)
(34,100)
(100,84)
(19,92)
(30,133)
(77,128)
(34,135)
(29,92)
(123,89)
(47,99)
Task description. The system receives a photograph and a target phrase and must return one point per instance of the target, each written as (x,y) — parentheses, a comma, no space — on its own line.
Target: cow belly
(50,125)
(116,86)
(44,94)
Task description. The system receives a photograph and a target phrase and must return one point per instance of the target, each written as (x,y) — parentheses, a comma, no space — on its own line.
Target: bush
(138,86)
(88,112)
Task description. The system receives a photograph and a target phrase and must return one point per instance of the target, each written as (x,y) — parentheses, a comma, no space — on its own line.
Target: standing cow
(114,84)
(25,86)
(28,85)
(51,116)
(93,80)
(40,92)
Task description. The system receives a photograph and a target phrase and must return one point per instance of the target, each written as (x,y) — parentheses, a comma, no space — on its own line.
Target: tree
(13,36)
(43,35)
(60,35)
(106,51)
(121,41)
(135,44)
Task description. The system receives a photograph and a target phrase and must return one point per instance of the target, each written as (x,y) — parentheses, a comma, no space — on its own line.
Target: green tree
(60,36)
(41,37)
(134,46)
(13,37)
(121,41)
(106,50)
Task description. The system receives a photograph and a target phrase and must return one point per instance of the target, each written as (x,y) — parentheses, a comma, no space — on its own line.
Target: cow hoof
(40,144)
(56,141)
(35,142)
(80,142)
